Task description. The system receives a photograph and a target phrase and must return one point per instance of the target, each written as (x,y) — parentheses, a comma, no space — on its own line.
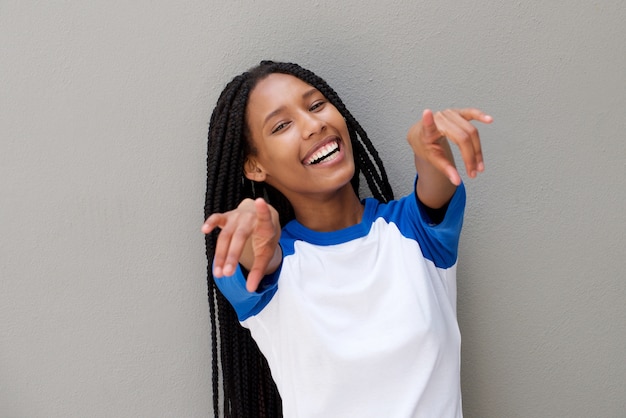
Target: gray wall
(104,109)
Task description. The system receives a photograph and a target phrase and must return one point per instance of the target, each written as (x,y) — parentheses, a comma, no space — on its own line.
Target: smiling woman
(293,131)
(337,305)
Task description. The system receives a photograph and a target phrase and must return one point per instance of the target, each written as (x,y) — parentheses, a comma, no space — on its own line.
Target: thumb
(428,124)
(262,210)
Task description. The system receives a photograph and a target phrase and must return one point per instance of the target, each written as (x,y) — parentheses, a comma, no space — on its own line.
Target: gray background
(104,109)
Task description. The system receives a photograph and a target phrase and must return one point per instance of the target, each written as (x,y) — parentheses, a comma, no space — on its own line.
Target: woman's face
(300,141)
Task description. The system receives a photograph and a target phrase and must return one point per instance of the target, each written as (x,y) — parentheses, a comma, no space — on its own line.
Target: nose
(311,125)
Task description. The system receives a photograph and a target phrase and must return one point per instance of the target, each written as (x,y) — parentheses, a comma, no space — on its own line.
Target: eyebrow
(306,95)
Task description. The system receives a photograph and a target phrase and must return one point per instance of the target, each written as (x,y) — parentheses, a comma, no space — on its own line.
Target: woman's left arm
(430,140)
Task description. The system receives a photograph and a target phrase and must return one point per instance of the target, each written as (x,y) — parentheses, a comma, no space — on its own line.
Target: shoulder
(438,241)
(408,210)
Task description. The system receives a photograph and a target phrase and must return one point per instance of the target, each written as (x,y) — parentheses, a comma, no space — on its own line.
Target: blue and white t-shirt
(361,322)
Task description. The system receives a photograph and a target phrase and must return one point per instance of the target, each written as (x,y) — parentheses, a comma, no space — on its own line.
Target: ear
(253,170)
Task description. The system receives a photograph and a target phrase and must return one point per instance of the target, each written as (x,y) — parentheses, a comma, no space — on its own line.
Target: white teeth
(327,153)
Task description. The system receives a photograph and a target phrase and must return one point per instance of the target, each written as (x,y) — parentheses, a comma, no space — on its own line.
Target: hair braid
(246,382)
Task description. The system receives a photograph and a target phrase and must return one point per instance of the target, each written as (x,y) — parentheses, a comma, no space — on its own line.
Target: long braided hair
(247,389)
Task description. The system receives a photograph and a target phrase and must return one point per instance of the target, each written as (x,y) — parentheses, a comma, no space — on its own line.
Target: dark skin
(292,127)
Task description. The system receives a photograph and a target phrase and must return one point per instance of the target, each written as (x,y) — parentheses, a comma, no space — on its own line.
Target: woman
(352,302)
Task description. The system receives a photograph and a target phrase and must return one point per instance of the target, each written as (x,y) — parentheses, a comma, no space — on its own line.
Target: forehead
(276,90)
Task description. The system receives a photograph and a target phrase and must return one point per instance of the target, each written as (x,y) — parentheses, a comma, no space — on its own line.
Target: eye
(317,105)
(280,127)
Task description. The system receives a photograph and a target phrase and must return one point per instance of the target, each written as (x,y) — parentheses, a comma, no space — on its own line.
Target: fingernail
(229,269)
(481,166)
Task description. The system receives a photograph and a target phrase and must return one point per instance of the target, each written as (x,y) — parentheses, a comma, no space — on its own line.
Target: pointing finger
(212,222)
(465,136)
(471,113)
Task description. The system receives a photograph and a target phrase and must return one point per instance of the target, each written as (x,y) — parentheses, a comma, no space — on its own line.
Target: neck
(330,213)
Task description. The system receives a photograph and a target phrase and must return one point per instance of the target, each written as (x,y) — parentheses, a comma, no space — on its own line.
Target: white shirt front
(362,322)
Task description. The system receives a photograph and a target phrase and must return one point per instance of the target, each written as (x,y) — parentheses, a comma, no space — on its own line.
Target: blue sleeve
(246,303)
(439,242)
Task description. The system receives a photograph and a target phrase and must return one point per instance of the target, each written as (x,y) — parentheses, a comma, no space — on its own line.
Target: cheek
(343,126)
(346,134)
(280,154)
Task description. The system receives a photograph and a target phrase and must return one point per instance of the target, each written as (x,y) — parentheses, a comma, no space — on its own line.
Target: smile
(326,153)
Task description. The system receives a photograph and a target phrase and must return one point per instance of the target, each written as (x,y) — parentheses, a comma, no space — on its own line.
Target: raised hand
(249,235)
(428,140)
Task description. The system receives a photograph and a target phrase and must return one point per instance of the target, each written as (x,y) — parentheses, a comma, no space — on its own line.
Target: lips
(325,151)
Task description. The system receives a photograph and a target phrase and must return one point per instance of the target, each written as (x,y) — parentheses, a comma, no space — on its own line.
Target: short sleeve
(439,242)
(247,304)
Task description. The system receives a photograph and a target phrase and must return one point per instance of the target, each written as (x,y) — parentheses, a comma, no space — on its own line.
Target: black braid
(246,382)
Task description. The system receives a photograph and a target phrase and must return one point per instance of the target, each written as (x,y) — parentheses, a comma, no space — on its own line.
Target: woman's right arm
(249,236)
